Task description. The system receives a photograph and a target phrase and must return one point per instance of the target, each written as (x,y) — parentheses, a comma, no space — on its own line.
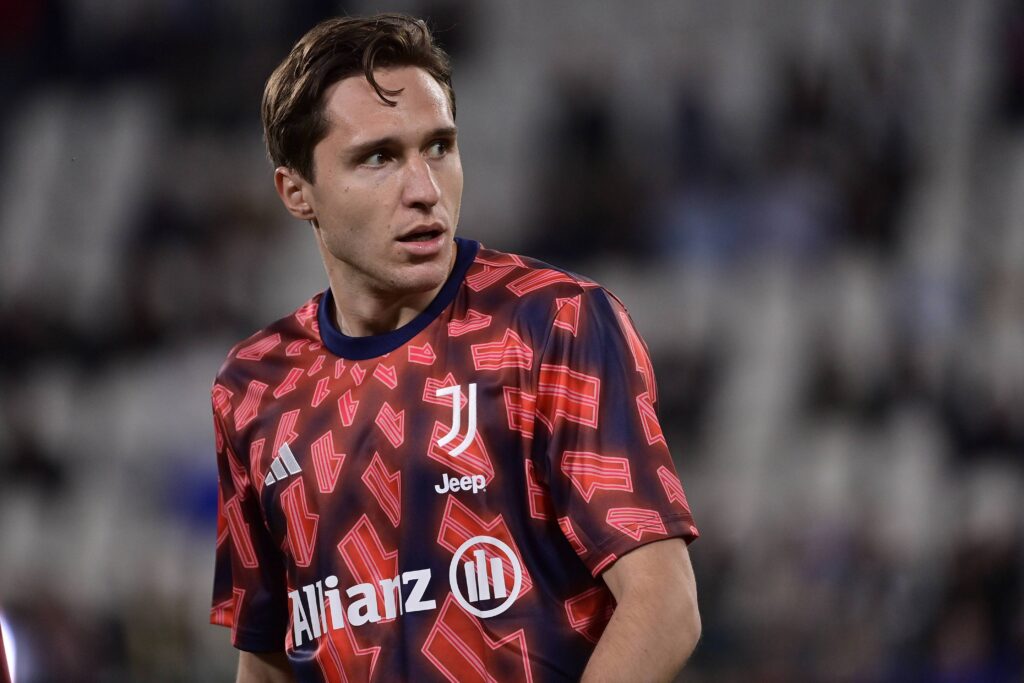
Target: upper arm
(598,446)
(660,570)
(263,667)
(250,584)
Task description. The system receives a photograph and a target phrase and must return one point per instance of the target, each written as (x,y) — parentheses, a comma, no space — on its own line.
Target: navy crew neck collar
(372,346)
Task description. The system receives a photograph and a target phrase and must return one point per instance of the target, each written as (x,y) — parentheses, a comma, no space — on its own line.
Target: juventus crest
(456,393)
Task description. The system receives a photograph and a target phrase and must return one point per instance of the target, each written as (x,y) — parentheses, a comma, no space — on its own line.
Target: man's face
(388,184)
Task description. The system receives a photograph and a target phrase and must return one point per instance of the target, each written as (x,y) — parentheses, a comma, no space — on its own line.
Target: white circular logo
(482,575)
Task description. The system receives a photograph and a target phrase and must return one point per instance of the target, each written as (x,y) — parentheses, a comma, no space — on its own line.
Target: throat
(371,315)
(362,309)
(378,321)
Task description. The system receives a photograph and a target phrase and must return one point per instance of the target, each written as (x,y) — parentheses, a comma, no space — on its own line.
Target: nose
(421,189)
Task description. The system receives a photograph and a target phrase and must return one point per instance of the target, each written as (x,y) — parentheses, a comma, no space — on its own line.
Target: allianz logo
(479,584)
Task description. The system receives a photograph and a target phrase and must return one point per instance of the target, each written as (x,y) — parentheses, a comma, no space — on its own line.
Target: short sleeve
(249,589)
(612,481)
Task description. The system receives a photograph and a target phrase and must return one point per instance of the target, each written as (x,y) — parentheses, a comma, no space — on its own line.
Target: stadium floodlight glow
(8,649)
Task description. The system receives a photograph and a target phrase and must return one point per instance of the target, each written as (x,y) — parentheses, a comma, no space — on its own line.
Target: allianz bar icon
(478,587)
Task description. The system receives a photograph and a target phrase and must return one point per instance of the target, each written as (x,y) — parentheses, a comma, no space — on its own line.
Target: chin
(424,278)
(427,274)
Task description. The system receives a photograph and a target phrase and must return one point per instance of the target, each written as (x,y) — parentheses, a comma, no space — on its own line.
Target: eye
(376,159)
(438,148)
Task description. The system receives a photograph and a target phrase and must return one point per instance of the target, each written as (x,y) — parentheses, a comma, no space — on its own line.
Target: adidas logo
(283,466)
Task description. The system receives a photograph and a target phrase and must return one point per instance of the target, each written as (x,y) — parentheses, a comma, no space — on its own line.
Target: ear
(295,192)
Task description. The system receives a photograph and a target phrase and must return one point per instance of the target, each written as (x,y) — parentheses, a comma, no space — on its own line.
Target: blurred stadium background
(813,209)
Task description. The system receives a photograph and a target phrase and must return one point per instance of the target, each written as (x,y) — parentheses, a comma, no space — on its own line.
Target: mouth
(424,242)
(423,233)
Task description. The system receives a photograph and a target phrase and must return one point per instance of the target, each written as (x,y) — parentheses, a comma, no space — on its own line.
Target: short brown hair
(294,120)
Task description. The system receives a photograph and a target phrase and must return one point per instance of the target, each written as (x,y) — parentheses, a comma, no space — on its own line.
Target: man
(448,465)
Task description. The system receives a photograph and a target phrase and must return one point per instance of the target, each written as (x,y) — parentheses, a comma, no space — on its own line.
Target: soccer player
(447,465)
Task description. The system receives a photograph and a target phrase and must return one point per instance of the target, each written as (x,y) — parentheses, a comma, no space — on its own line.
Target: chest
(398,444)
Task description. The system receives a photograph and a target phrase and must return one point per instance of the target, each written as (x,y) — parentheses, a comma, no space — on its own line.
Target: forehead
(357,113)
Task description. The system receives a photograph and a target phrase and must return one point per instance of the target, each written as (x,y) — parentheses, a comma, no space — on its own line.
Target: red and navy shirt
(438,502)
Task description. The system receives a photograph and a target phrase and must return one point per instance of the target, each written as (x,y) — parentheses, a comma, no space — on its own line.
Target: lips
(423,233)
(424,242)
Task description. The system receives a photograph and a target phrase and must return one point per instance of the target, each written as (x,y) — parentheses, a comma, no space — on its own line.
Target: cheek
(453,183)
(350,211)
(355,214)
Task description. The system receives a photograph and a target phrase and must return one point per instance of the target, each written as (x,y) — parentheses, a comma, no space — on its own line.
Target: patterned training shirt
(438,502)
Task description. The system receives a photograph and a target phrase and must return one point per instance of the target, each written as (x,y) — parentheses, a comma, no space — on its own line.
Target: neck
(361,311)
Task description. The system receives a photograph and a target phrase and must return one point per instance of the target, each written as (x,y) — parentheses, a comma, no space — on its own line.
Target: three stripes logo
(456,393)
(283,466)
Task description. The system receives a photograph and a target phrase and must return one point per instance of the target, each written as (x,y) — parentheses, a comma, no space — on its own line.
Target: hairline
(323,111)
(294,107)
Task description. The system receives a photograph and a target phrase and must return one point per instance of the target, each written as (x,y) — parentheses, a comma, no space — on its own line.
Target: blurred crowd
(813,210)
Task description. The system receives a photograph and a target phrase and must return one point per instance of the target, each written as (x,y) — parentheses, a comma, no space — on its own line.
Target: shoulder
(538,291)
(257,356)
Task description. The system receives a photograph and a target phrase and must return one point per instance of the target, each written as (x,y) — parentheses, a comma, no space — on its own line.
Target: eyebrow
(362,148)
